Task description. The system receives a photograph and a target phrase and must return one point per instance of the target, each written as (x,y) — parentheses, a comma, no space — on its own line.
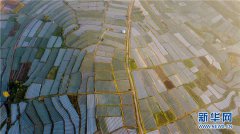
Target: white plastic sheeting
(33,91)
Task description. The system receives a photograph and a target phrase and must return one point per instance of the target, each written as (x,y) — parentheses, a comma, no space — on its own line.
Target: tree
(16,91)
(46,18)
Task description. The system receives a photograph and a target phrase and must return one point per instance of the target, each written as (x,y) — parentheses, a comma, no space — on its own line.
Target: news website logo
(215,120)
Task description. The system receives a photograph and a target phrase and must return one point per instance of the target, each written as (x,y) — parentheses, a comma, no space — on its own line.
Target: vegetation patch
(58,32)
(170,116)
(160,118)
(133,64)
(40,53)
(202,80)
(190,85)
(46,18)
(188,63)
(197,98)
(52,73)
(161,73)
